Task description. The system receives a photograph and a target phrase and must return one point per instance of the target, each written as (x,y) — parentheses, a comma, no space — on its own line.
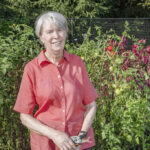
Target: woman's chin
(57,52)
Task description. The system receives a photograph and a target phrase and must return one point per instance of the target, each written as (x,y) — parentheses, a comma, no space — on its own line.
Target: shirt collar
(42,58)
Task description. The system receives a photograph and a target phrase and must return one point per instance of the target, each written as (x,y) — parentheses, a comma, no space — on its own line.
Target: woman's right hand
(63,141)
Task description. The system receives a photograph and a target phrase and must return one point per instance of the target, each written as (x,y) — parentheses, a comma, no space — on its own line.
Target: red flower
(109,48)
(148,49)
(112,53)
(129,78)
(135,46)
(148,70)
(143,41)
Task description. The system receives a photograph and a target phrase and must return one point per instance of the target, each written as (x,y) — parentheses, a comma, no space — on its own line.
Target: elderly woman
(57,82)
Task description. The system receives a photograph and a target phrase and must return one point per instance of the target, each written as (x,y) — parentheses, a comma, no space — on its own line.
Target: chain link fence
(139,27)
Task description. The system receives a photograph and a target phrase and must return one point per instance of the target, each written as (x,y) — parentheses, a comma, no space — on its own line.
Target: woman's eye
(50,32)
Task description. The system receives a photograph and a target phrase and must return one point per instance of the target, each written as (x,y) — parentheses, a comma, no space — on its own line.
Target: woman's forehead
(49,25)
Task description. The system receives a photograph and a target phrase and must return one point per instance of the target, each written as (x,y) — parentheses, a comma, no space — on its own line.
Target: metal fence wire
(139,27)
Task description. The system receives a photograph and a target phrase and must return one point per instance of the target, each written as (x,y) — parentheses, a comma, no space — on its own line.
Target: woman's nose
(56,34)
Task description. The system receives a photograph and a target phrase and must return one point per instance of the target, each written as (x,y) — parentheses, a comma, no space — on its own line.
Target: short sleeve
(25,102)
(89,92)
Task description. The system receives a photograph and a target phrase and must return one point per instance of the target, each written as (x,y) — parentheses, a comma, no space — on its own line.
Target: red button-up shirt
(61,93)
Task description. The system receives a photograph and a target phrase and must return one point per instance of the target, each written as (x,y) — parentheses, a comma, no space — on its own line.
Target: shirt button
(61,87)
(63,110)
(63,123)
(58,76)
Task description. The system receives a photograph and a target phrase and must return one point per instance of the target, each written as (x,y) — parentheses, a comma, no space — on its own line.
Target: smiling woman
(58,83)
(51,28)
(53,39)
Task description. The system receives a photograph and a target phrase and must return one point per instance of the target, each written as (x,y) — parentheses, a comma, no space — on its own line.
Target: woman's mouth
(57,42)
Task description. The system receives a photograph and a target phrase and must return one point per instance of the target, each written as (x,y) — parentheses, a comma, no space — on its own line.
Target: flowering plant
(137,59)
(120,74)
(121,78)
(125,88)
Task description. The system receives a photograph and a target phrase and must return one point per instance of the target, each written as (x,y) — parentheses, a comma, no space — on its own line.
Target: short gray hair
(54,18)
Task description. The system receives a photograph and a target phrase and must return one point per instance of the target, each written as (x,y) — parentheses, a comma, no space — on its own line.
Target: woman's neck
(54,59)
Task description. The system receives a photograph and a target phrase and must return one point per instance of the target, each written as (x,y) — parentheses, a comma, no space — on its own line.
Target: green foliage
(15,51)
(70,8)
(75,8)
(128,9)
(123,118)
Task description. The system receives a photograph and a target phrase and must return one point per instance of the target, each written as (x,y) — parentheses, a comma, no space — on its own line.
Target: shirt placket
(63,101)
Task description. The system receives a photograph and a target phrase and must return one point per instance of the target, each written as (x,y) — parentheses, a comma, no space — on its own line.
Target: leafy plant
(121,77)
(15,51)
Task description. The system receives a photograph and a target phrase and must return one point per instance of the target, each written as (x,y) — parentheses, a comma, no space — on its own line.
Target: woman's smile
(57,43)
(53,39)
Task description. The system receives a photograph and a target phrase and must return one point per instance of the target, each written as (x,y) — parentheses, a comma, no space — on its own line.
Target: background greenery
(122,121)
(18,11)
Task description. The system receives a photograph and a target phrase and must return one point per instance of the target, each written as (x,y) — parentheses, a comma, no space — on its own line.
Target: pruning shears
(79,140)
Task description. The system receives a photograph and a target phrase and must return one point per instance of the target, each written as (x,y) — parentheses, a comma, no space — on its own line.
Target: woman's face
(53,38)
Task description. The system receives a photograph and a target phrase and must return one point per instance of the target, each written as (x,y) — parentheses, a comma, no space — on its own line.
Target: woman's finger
(69,145)
(72,144)
(63,147)
(78,147)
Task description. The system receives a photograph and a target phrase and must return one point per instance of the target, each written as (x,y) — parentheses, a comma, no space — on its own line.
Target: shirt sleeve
(89,92)
(25,102)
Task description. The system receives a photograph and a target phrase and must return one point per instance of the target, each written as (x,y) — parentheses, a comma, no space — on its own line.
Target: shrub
(15,50)
(121,78)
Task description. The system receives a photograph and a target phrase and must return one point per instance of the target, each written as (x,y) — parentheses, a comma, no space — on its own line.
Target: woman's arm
(89,116)
(35,125)
(61,139)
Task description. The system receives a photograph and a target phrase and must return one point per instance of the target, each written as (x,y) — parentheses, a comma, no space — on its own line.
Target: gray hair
(54,18)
